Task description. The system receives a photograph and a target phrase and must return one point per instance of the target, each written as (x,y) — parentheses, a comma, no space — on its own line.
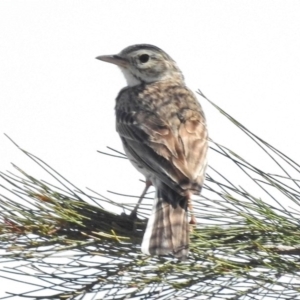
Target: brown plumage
(163,130)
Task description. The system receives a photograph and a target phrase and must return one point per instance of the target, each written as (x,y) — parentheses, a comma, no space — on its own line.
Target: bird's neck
(133,79)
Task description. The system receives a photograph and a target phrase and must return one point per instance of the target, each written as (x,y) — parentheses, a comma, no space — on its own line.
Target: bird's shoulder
(167,100)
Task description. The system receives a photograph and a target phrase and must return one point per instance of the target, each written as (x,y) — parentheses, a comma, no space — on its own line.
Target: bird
(164,134)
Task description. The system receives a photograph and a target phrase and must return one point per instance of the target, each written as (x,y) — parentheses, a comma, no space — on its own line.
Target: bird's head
(144,64)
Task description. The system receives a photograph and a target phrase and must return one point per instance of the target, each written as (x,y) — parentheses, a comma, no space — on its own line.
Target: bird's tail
(167,229)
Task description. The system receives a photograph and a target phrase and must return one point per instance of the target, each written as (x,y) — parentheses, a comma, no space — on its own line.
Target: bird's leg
(193,220)
(134,211)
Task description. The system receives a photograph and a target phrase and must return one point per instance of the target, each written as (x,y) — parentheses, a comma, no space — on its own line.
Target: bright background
(57,101)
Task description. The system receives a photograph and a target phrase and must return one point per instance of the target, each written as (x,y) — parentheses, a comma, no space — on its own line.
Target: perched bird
(163,131)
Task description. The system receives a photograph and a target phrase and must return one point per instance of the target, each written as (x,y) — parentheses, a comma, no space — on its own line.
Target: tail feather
(167,229)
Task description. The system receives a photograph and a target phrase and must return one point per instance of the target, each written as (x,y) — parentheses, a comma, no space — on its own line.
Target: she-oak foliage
(61,242)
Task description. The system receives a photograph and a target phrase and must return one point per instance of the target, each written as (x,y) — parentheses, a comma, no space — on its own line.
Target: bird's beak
(114,59)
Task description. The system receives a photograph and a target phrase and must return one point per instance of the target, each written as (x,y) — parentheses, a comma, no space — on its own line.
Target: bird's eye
(144,58)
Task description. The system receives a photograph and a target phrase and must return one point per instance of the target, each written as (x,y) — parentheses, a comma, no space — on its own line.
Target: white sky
(57,101)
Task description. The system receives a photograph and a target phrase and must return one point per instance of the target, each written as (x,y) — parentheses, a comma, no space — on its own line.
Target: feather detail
(167,229)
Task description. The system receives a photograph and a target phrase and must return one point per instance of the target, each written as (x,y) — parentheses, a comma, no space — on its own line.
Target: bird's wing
(171,146)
